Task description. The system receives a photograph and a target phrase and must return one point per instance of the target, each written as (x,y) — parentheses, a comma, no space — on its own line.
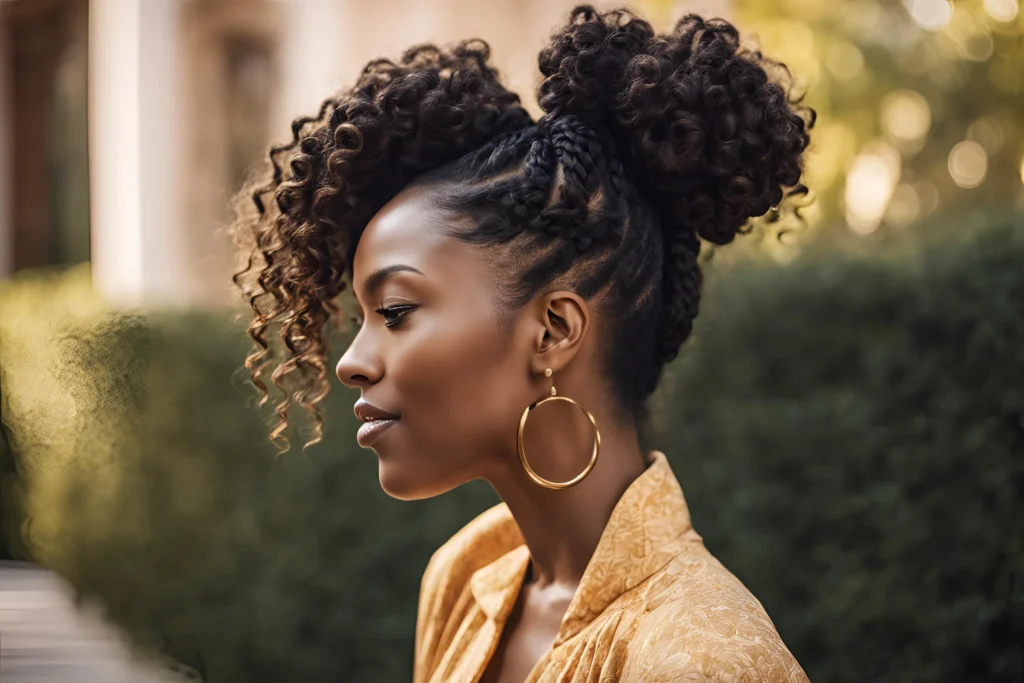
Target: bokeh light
(988,132)
(968,164)
(1022,171)
(962,24)
(869,186)
(967,35)
(845,61)
(979,47)
(931,15)
(904,206)
(835,145)
(906,118)
(1002,10)
(862,18)
(794,44)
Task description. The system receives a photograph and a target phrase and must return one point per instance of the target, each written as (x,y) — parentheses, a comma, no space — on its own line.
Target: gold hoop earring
(547,483)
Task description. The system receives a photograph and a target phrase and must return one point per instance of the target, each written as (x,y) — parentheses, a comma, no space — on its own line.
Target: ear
(564,319)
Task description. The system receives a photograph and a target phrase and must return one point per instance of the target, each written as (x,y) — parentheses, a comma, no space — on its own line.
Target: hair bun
(700,127)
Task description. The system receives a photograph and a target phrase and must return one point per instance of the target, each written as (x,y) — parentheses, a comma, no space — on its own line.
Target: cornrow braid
(571,144)
(527,199)
(579,149)
(681,285)
(579,153)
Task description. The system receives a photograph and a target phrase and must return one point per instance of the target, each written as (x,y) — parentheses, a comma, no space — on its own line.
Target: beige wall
(209,29)
(366,29)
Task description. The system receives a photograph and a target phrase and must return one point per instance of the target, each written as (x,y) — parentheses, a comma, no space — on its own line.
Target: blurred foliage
(897,87)
(848,431)
(36,308)
(152,486)
(12,502)
(850,435)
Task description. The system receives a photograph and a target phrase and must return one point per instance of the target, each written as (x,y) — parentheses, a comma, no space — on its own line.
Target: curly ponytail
(650,144)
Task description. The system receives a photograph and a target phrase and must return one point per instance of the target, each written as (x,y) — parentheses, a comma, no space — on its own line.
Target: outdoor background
(847,421)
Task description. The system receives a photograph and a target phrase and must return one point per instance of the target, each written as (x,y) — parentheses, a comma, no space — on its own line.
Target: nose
(359,367)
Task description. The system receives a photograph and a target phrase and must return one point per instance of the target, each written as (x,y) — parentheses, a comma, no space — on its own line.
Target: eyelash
(400,311)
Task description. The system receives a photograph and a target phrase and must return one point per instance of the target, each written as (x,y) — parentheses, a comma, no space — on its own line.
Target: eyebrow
(377,277)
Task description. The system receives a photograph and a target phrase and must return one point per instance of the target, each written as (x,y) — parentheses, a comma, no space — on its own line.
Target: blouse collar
(643,534)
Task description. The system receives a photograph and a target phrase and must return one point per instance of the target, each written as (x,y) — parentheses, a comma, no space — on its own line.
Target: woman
(522,284)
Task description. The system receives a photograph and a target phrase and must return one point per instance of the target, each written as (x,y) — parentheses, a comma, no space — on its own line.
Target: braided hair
(649,145)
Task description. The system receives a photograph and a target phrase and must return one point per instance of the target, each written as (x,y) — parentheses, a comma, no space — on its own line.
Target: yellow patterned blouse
(653,605)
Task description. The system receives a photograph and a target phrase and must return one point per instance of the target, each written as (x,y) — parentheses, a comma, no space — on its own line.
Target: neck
(562,527)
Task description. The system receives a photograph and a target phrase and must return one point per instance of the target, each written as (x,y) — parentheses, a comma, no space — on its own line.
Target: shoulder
(700,623)
(485,538)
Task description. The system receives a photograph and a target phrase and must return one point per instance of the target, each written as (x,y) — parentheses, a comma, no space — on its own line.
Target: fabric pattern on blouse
(653,606)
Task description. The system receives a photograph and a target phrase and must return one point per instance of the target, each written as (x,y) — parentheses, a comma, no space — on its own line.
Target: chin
(404,483)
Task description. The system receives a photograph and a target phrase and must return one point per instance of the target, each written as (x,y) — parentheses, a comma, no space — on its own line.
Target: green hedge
(11,499)
(36,309)
(165,500)
(848,432)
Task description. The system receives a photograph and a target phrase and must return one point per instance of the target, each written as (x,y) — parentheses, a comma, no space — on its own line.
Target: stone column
(314,57)
(138,257)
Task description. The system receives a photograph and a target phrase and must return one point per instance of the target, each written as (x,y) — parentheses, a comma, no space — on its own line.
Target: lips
(371,431)
(376,422)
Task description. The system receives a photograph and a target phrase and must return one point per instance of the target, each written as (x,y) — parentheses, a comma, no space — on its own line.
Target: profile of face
(507,245)
(432,352)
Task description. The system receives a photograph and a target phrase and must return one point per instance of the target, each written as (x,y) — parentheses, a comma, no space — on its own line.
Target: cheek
(455,379)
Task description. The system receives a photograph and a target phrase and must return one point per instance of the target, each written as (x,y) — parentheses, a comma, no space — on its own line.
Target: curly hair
(649,144)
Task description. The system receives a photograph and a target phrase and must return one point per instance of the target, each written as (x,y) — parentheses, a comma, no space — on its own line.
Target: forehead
(410,230)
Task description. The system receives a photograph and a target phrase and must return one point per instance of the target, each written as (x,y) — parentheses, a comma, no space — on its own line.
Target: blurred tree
(918,103)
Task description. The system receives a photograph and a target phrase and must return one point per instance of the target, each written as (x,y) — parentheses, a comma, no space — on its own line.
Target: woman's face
(431,351)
